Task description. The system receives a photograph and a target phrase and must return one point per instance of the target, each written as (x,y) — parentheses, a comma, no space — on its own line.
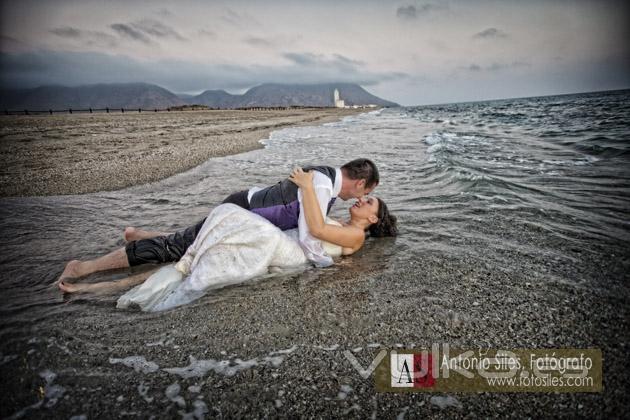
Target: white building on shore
(339,103)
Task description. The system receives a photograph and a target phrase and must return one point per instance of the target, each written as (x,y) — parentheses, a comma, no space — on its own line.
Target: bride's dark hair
(386,225)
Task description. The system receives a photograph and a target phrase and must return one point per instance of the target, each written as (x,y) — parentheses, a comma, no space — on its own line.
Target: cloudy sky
(411,52)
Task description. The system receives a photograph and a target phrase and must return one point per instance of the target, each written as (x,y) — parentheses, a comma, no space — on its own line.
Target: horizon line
(521,97)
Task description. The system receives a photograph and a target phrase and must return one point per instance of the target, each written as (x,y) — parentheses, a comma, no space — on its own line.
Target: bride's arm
(317,226)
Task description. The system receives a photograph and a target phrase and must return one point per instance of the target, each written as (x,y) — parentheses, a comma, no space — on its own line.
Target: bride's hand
(300,178)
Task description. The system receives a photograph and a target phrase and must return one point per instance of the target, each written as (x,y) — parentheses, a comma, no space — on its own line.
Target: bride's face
(365,208)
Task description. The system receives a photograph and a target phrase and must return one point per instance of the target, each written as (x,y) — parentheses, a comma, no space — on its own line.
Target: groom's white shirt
(325,191)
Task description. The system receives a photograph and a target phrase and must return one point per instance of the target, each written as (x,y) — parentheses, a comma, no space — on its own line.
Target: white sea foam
(143,390)
(7,358)
(328,348)
(52,341)
(228,367)
(172,393)
(138,363)
(286,351)
(198,368)
(52,392)
(199,411)
(48,376)
(195,389)
(344,391)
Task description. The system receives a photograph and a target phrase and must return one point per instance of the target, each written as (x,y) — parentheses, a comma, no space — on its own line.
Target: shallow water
(474,179)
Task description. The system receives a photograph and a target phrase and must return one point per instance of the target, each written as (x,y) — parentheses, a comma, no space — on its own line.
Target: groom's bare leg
(76,268)
(105,286)
(135,234)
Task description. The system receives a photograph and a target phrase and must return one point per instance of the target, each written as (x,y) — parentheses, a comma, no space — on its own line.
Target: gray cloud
(144,29)
(512,65)
(157,29)
(127,31)
(5,38)
(259,42)
(66,32)
(412,12)
(302,58)
(164,12)
(206,33)
(428,7)
(90,38)
(240,20)
(8,43)
(335,61)
(65,68)
(495,66)
(407,12)
(490,33)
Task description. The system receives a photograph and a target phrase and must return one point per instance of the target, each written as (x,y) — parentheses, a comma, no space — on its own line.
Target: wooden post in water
(70,110)
(26,112)
(90,110)
(122,110)
(139,110)
(50,110)
(107,110)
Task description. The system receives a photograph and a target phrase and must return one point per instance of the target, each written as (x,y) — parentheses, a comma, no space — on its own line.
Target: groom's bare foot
(71,270)
(68,287)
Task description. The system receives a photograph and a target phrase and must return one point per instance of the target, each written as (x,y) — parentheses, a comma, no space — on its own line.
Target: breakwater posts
(80,111)
(109,110)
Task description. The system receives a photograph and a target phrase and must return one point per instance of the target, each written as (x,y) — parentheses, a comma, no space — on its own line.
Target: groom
(280,204)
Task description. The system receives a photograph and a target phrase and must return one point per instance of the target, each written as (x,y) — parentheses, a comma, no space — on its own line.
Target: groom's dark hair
(362,169)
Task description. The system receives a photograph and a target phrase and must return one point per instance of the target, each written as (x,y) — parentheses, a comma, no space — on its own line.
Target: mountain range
(149,96)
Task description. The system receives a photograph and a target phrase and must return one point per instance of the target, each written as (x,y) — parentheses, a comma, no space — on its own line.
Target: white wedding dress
(234,245)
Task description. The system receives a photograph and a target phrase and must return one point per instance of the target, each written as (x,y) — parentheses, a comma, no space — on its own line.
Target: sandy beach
(83,153)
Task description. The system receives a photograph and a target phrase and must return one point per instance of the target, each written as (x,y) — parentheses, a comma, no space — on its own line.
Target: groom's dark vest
(279,203)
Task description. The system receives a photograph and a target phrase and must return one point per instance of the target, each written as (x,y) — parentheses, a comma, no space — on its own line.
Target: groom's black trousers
(163,249)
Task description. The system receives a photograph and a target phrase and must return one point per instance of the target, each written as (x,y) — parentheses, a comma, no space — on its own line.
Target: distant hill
(274,94)
(215,99)
(115,95)
(148,96)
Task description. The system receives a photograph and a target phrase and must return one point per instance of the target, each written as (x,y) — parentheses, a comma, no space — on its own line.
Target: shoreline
(87,153)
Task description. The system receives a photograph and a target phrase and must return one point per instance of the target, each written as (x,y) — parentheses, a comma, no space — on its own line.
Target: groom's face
(360,190)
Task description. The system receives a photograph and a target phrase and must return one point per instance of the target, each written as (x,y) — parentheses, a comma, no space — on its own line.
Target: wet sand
(83,153)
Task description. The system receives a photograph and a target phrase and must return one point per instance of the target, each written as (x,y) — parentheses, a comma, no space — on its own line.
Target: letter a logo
(401,367)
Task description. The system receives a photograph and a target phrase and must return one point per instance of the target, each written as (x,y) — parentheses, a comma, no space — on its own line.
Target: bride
(235,245)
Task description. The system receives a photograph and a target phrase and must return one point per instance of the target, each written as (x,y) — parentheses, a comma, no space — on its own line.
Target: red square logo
(423,371)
